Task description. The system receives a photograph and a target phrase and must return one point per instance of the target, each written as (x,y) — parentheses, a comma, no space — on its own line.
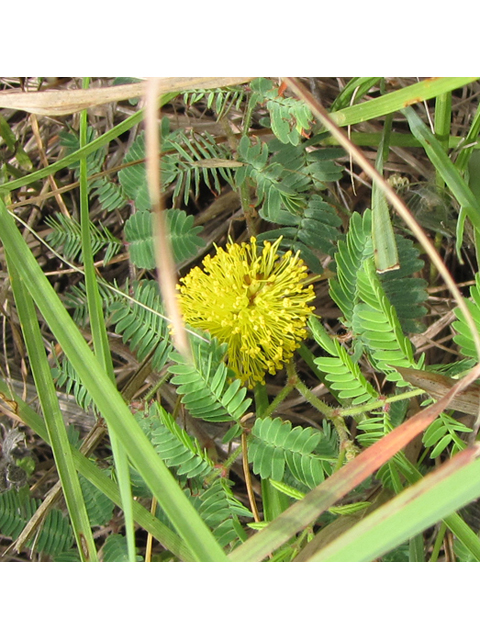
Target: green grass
(153,461)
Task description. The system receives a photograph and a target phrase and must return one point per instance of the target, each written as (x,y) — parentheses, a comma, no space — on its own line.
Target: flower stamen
(253,301)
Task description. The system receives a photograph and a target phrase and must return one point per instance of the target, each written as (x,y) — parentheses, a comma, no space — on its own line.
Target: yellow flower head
(255,303)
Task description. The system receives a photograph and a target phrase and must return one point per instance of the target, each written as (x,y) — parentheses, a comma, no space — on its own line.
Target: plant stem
(377,404)
(279,398)
(438,542)
(261,400)
(327,411)
(248,479)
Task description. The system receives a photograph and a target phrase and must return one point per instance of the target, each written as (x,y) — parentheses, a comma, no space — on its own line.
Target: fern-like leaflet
(99,507)
(349,258)
(404,292)
(66,235)
(133,178)
(210,494)
(187,159)
(267,179)
(190,158)
(443,432)
(206,385)
(289,116)
(376,324)
(284,177)
(341,370)
(220,510)
(182,235)
(307,168)
(76,300)
(220,100)
(311,230)
(145,332)
(143,327)
(463,336)
(110,194)
(368,311)
(66,377)
(176,448)
(115,549)
(390,474)
(16,510)
(274,446)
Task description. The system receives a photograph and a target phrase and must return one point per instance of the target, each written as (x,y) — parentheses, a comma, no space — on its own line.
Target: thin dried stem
(248,479)
(166,269)
(43,156)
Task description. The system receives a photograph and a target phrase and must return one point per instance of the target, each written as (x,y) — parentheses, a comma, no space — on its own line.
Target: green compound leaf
(349,258)
(68,556)
(220,100)
(191,158)
(115,549)
(368,310)
(220,510)
(284,177)
(305,167)
(66,377)
(181,453)
(341,370)
(274,446)
(140,327)
(267,178)
(110,194)
(205,385)
(99,507)
(69,140)
(15,511)
(289,116)
(175,447)
(443,432)
(75,298)
(188,159)
(134,178)
(404,292)
(463,336)
(312,230)
(66,236)
(182,235)
(377,326)
(211,495)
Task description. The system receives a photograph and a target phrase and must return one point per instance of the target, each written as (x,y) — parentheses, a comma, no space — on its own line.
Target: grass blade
(53,417)
(453,485)
(100,339)
(176,505)
(397,100)
(385,247)
(445,167)
(168,538)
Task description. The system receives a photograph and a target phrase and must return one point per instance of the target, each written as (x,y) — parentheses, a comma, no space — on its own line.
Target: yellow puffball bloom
(254,302)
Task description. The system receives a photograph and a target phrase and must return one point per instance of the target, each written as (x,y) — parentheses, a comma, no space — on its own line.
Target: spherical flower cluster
(253,301)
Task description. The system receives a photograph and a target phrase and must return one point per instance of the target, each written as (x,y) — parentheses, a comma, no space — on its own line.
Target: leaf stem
(279,398)
(329,412)
(377,404)
(248,479)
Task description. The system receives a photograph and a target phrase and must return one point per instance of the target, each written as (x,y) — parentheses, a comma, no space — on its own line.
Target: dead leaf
(437,385)
(62,103)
